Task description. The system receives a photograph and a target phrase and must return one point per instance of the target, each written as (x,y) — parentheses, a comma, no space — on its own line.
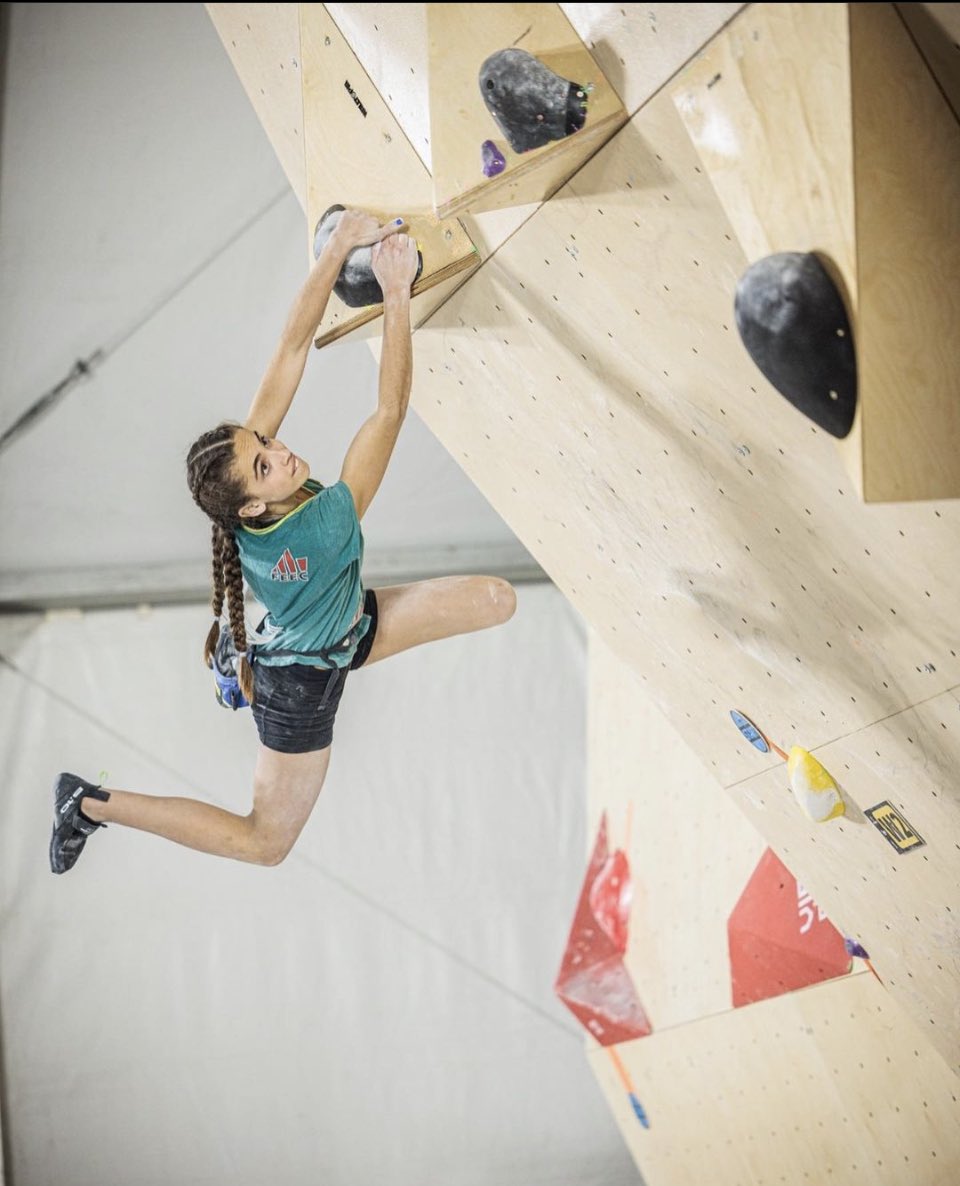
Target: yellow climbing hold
(813,787)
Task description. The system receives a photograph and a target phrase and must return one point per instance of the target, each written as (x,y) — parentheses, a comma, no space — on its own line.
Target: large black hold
(794,325)
(531,104)
(356,285)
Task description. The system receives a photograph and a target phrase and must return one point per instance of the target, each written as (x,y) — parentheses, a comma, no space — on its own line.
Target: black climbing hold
(531,104)
(794,325)
(356,285)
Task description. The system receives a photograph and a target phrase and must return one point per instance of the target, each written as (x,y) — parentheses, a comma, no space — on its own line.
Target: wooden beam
(935,28)
(907,180)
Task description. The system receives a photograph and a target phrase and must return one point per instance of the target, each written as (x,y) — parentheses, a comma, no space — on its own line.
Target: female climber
(299,547)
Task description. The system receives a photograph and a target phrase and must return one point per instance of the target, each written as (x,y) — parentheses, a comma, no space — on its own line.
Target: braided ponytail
(214,634)
(220,494)
(233,579)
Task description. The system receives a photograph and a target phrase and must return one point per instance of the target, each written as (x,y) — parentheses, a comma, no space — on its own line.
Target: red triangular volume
(778,937)
(610,896)
(593,982)
(604,1001)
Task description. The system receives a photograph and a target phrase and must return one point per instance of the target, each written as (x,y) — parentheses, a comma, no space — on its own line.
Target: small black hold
(356,285)
(790,313)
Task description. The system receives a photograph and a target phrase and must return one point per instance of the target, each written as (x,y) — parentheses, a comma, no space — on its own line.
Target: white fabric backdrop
(379,1008)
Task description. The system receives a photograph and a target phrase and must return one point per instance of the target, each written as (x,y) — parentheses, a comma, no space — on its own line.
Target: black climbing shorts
(295,705)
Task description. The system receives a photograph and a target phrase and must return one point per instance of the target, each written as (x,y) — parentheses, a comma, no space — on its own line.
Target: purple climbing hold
(494,161)
(854,948)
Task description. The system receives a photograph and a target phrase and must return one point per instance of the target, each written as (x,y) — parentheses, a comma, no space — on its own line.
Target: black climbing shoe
(70,826)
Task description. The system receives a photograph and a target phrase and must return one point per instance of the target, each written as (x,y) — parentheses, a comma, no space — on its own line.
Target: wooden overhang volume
(823,130)
(512,55)
(339,143)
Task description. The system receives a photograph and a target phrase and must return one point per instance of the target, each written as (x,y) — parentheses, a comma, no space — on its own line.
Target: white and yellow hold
(813,787)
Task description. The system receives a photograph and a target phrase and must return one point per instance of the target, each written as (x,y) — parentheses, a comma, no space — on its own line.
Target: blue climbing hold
(750,731)
(638,1109)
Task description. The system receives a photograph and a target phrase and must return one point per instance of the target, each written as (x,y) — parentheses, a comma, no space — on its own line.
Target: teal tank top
(305,570)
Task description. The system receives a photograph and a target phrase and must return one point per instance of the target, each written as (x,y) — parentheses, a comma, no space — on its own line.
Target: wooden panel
(831,1084)
(422,308)
(429,292)
(390,41)
(357,156)
(263,43)
(691,851)
(637,47)
(590,382)
(936,30)
(767,105)
(461,37)
(904,908)
(814,123)
(907,169)
(640,46)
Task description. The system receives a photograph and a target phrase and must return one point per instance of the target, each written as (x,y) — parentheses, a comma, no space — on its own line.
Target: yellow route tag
(885,817)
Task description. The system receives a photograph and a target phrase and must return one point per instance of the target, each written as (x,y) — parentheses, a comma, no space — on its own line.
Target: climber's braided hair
(219,492)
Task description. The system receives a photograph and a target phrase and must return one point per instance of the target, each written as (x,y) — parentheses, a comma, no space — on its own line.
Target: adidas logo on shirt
(290,568)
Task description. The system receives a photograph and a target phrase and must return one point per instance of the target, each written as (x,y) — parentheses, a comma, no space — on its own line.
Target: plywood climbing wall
(391,43)
(591,382)
(263,43)
(462,40)
(834,1082)
(339,144)
(831,1084)
(904,905)
(691,852)
(814,123)
(377,126)
(372,167)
